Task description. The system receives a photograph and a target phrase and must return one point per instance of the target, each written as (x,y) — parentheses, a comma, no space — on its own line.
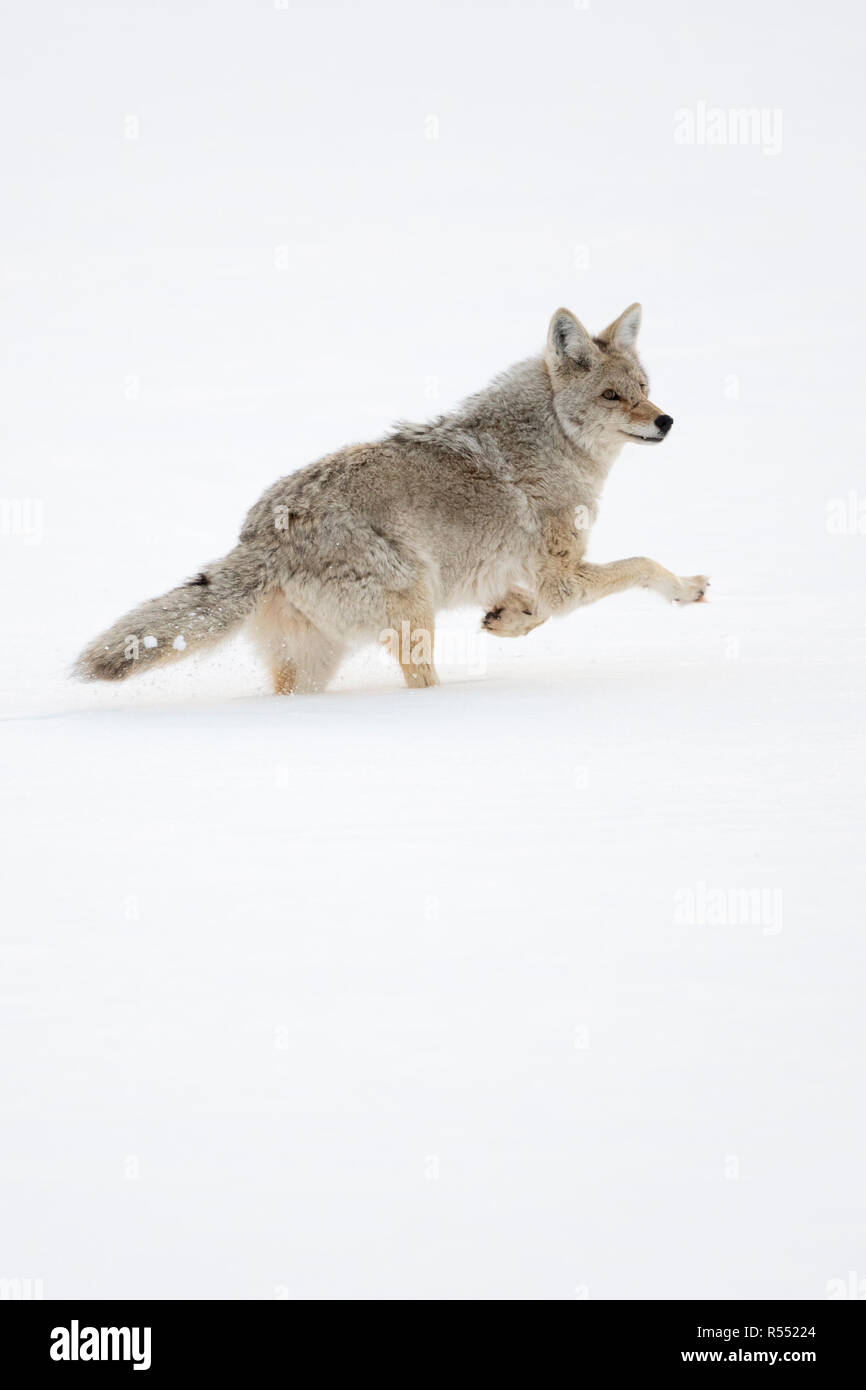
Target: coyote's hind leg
(301,659)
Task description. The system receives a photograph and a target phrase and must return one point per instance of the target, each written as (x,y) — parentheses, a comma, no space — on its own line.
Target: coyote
(490,504)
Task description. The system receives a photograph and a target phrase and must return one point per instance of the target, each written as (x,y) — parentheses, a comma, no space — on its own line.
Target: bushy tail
(195,615)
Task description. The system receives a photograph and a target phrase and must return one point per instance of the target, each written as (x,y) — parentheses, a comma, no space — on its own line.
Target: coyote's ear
(568,343)
(622,333)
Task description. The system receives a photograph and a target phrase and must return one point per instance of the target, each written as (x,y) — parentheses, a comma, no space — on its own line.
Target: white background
(387,994)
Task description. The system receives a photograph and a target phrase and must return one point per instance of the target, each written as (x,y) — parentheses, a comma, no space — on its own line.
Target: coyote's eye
(610,395)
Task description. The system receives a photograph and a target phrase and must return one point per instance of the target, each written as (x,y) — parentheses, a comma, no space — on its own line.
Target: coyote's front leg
(588,583)
(514,616)
(565,586)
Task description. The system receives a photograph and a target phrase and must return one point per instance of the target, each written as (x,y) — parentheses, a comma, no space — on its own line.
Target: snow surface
(392,994)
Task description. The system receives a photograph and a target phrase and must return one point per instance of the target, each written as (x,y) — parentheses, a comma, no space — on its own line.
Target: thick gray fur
(490,504)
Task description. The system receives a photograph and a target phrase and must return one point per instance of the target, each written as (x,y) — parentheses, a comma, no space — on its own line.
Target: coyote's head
(599,385)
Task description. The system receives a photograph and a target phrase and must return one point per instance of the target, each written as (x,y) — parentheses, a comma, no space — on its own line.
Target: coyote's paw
(420,677)
(513,617)
(691,590)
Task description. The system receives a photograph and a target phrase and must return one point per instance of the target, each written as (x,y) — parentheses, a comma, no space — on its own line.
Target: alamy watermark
(413,646)
(761,127)
(77,1343)
(21,1290)
(704,906)
(23,517)
(846,516)
(852,1287)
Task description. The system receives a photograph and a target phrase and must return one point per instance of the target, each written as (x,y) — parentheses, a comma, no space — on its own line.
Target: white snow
(179,643)
(547,983)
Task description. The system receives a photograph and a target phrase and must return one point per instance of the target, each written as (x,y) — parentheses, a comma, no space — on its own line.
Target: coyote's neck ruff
(491,504)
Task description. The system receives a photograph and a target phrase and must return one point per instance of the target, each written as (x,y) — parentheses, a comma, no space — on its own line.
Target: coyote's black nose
(663,422)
